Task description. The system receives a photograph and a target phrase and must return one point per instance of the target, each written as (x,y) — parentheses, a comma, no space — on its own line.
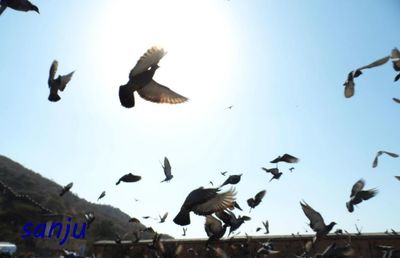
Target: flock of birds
(214,205)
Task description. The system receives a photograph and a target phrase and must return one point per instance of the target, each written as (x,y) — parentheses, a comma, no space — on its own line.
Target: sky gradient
(281,64)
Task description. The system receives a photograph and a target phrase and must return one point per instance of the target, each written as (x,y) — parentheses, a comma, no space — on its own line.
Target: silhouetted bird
(184,231)
(229,218)
(18,5)
(291,169)
(89,218)
(211,183)
(316,221)
(266,249)
(266,226)
(236,205)
(146,217)
(102,195)
(163,218)
(349,83)
(57,84)
(285,158)
(204,201)
(274,171)
(233,180)
(224,173)
(358,195)
(258,229)
(230,107)
(214,229)
(66,188)
(396,100)
(141,80)
(379,153)
(167,170)
(129,178)
(257,199)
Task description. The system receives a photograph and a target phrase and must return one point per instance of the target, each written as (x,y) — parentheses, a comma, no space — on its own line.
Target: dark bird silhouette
(349,83)
(211,183)
(396,62)
(146,217)
(396,100)
(291,169)
(397,177)
(233,180)
(285,158)
(258,229)
(358,230)
(66,188)
(57,84)
(257,199)
(129,178)
(266,226)
(167,170)
(266,249)
(18,5)
(358,195)
(101,195)
(379,153)
(236,205)
(214,229)
(184,231)
(224,173)
(163,218)
(230,219)
(141,80)
(316,221)
(230,107)
(274,171)
(204,201)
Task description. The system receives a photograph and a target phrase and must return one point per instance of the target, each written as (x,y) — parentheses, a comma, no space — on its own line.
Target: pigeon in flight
(141,80)
(163,218)
(266,249)
(18,5)
(66,188)
(274,171)
(224,173)
(89,218)
(233,180)
(349,83)
(204,201)
(101,195)
(285,158)
(236,205)
(184,231)
(257,199)
(379,153)
(358,195)
(291,169)
(57,84)
(214,229)
(167,170)
(266,226)
(129,178)
(230,219)
(230,107)
(316,221)
(396,100)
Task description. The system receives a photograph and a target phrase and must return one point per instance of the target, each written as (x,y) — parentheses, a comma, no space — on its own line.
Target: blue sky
(281,64)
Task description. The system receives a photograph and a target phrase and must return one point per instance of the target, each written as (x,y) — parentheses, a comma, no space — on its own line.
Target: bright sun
(195,34)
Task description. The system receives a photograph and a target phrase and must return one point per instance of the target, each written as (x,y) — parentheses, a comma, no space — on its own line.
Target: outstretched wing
(357,187)
(365,195)
(391,154)
(219,202)
(158,93)
(150,58)
(167,167)
(53,70)
(2,8)
(376,63)
(260,195)
(316,221)
(64,80)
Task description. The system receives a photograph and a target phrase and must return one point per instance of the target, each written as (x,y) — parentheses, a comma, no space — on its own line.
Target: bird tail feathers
(54,97)
(183,218)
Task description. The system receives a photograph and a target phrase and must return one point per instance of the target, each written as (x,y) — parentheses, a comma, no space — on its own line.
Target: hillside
(26,196)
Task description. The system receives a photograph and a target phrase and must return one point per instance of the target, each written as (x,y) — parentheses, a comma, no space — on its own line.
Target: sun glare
(195,35)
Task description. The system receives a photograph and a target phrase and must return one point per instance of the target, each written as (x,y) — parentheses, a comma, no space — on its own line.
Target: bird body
(57,84)
(167,170)
(18,5)
(141,80)
(214,229)
(254,202)
(233,180)
(316,221)
(129,178)
(358,195)
(285,158)
(102,195)
(204,201)
(274,171)
(379,153)
(163,218)
(66,188)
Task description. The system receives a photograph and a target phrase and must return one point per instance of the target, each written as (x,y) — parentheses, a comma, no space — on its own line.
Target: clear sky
(281,64)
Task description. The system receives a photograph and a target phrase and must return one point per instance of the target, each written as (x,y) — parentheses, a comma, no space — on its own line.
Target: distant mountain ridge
(25,196)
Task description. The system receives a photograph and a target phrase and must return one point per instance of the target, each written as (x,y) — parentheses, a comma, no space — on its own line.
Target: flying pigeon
(204,201)
(291,169)
(316,221)
(396,100)
(224,173)
(66,188)
(18,5)
(257,199)
(184,231)
(379,153)
(274,171)
(101,195)
(266,226)
(167,170)
(233,180)
(230,219)
(285,158)
(163,218)
(349,83)
(141,80)
(358,195)
(57,84)
(89,218)
(214,229)
(266,249)
(236,205)
(129,178)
